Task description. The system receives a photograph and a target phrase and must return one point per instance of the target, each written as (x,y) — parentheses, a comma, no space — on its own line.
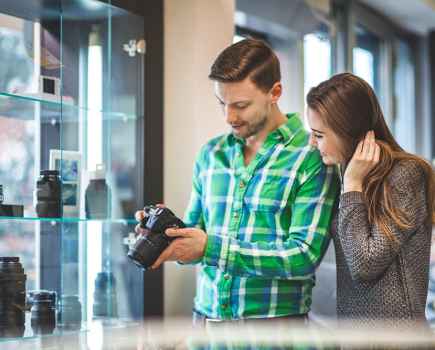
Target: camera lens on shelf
(69,313)
(49,194)
(43,311)
(97,195)
(105,301)
(12,297)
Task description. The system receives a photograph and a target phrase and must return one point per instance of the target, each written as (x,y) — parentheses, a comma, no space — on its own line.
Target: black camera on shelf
(105,299)
(43,311)
(69,312)
(148,247)
(12,297)
(49,194)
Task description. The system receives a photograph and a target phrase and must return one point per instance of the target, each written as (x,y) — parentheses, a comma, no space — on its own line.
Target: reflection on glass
(17,161)
(95,99)
(16,51)
(366,57)
(94,154)
(95,120)
(19,239)
(94,261)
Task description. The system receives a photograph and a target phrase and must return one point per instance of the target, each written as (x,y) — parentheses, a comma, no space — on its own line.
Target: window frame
(346,15)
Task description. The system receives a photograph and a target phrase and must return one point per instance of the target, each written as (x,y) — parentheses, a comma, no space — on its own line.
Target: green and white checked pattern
(267,224)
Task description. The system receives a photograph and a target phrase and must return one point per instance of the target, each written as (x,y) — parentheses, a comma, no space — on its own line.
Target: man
(261,201)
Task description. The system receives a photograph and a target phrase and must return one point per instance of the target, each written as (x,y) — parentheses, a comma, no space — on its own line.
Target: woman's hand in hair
(364,159)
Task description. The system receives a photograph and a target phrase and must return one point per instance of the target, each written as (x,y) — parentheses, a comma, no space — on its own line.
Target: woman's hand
(364,159)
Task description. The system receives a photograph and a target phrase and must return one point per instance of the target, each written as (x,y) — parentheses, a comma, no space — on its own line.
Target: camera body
(148,247)
(49,194)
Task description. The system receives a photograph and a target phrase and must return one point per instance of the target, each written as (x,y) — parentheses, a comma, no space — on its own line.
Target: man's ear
(276,92)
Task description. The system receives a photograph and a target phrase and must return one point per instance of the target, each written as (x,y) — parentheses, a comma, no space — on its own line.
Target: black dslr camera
(148,247)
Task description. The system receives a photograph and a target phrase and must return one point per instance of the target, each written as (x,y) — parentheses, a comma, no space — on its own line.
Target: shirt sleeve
(308,239)
(194,215)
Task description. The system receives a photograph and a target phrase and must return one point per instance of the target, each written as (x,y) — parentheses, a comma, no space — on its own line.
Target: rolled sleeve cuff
(193,262)
(352,197)
(216,251)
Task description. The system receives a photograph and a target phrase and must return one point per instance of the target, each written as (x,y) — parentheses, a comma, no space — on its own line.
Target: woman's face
(325,140)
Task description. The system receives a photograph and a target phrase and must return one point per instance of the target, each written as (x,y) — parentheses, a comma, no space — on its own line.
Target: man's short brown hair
(247,58)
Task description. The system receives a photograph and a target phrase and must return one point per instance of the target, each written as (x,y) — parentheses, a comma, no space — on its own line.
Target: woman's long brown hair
(349,107)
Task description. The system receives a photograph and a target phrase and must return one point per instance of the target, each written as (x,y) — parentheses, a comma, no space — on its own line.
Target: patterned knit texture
(378,279)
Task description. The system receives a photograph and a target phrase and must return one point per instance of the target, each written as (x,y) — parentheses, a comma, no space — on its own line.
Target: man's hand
(139,215)
(189,245)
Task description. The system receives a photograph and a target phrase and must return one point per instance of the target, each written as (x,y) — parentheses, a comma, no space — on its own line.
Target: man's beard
(254,129)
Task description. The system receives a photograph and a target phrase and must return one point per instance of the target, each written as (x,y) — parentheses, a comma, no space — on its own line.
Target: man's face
(246,107)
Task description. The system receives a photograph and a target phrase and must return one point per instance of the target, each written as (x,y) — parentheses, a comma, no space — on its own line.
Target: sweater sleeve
(368,251)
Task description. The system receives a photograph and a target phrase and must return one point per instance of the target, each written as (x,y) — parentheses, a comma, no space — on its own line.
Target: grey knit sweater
(377,280)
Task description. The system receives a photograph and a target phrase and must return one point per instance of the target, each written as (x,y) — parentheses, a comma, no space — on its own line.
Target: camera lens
(69,314)
(12,297)
(43,311)
(105,303)
(149,247)
(48,194)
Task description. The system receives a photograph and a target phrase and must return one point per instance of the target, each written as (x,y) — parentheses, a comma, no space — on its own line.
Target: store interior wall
(191,114)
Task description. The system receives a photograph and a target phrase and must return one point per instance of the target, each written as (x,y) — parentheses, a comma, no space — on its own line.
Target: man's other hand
(189,245)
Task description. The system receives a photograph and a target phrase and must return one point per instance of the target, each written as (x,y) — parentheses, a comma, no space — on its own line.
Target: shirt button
(224,306)
(235,214)
(227,277)
(241,184)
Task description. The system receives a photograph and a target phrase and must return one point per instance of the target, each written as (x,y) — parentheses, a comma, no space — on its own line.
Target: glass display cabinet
(72,121)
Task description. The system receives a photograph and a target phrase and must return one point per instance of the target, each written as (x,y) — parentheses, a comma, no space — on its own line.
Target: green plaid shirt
(267,224)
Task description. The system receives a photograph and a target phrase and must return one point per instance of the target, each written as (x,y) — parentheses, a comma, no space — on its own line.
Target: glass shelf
(29,107)
(85,259)
(69,220)
(84,338)
(93,132)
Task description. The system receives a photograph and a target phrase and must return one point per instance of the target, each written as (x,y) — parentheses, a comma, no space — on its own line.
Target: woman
(382,232)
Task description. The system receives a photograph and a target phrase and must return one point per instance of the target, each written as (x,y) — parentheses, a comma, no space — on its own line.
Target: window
(366,57)
(317,59)
(299,34)
(242,33)
(404,92)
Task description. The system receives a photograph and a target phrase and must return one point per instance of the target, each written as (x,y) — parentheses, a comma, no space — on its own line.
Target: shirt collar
(283,133)
(289,129)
